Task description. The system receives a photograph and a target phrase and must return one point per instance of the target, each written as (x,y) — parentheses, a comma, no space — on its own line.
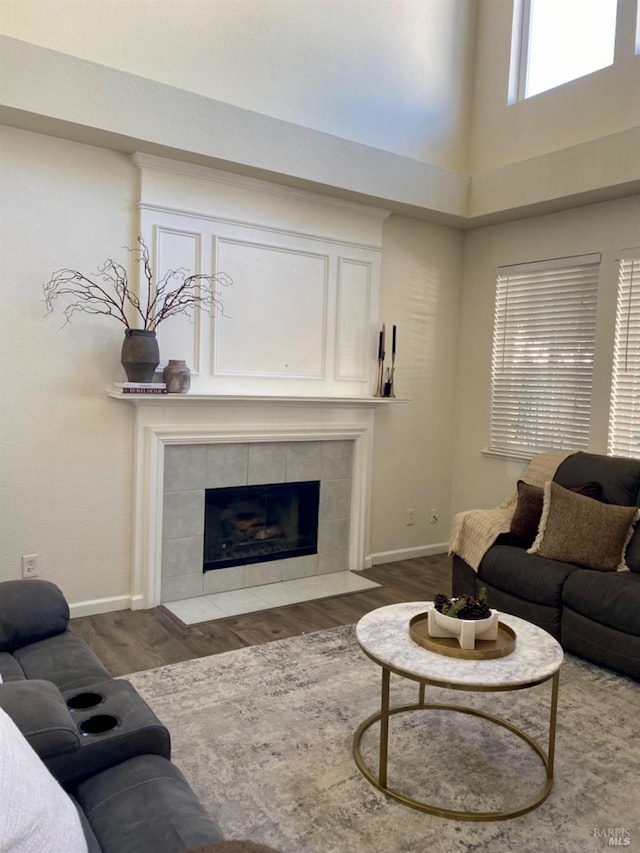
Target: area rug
(264,736)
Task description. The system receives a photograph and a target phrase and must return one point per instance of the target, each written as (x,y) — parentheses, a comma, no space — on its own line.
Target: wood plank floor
(129,641)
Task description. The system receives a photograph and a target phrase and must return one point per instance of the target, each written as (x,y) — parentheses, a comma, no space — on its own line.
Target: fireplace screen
(256,524)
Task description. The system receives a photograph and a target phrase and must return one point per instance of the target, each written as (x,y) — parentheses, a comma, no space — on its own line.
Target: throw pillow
(577,529)
(524,524)
(36,815)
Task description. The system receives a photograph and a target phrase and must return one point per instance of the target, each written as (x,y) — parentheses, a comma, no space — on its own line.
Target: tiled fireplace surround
(190,469)
(186,443)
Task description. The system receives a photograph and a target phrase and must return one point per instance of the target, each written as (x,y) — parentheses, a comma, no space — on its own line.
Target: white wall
(481,481)
(66,449)
(421,274)
(393,75)
(50,92)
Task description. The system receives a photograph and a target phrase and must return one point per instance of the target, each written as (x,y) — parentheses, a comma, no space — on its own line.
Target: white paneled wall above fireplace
(301,316)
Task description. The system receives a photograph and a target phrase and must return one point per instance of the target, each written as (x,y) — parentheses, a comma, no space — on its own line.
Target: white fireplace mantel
(166,419)
(251,399)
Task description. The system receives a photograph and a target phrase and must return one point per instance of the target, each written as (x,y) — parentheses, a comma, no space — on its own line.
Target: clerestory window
(556,41)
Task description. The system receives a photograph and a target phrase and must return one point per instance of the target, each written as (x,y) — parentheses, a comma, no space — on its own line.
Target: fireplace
(187,443)
(231,508)
(258,524)
(304,396)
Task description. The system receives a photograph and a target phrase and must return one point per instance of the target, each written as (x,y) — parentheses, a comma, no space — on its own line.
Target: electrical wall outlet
(411,516)
(29,565)
(434,517)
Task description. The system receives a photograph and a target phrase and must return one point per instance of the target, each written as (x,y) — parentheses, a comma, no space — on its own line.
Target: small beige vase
(177,377)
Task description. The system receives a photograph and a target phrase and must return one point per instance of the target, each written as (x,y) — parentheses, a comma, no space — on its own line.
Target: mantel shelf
(251,399)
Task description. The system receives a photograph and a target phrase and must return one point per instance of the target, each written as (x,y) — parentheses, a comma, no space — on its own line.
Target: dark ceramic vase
(177,376)
(140,355)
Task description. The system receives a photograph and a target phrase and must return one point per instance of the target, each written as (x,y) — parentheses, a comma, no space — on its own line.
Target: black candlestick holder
(388,390)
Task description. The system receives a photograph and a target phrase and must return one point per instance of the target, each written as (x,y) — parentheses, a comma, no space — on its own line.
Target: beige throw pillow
(577,529)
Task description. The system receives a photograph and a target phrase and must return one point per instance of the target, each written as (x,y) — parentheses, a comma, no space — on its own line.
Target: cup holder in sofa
(84,701)
(99,724)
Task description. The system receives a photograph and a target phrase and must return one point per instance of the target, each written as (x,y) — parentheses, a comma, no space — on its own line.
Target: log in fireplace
(258,524)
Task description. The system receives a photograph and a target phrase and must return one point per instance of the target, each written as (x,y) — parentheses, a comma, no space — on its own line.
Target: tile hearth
(222,605)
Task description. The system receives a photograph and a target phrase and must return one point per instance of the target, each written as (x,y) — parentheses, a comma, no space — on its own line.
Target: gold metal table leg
(551,749)
(380,781)
(384,728)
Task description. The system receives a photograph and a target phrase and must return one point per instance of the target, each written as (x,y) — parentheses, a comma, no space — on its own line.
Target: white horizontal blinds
(624,416)
(542,360)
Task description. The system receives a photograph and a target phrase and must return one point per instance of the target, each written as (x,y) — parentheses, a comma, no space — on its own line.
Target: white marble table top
(384,635)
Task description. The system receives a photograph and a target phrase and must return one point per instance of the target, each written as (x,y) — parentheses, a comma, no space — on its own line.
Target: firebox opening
(257,524)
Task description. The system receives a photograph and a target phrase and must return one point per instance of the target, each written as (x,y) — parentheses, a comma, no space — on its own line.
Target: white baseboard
(100,605)
(405,554)
(128,602)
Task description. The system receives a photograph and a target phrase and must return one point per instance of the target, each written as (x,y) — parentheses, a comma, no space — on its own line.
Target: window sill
(508,455)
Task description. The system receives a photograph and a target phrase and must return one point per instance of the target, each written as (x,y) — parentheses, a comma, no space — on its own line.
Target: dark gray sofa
(594,614)
(129,795)
(35,640)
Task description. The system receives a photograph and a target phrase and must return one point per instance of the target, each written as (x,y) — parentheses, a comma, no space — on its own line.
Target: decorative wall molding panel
(301,317)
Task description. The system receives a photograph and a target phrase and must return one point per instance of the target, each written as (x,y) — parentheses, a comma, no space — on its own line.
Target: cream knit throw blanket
(474,531)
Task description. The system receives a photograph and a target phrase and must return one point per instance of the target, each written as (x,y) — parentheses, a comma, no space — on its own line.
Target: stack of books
(141,387)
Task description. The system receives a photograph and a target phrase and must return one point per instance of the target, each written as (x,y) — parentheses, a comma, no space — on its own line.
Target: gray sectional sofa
(95,738)
(594,614)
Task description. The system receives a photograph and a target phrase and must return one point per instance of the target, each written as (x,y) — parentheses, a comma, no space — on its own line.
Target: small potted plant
(108,292)
(466,618)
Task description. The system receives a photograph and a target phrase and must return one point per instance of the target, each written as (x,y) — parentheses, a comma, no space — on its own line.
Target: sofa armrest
(464,581)
(39,710)
(30,610)
(145,805)
(10,669)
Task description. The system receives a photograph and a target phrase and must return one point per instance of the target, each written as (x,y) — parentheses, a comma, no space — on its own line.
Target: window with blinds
(624,414)
(542,359)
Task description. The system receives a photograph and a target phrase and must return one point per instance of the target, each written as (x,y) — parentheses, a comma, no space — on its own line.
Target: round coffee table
(383,635)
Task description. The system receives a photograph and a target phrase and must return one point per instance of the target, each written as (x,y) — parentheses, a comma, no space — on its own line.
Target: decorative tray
(449,646)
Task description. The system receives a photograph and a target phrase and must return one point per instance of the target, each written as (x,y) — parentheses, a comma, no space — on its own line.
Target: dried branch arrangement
(108,293)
